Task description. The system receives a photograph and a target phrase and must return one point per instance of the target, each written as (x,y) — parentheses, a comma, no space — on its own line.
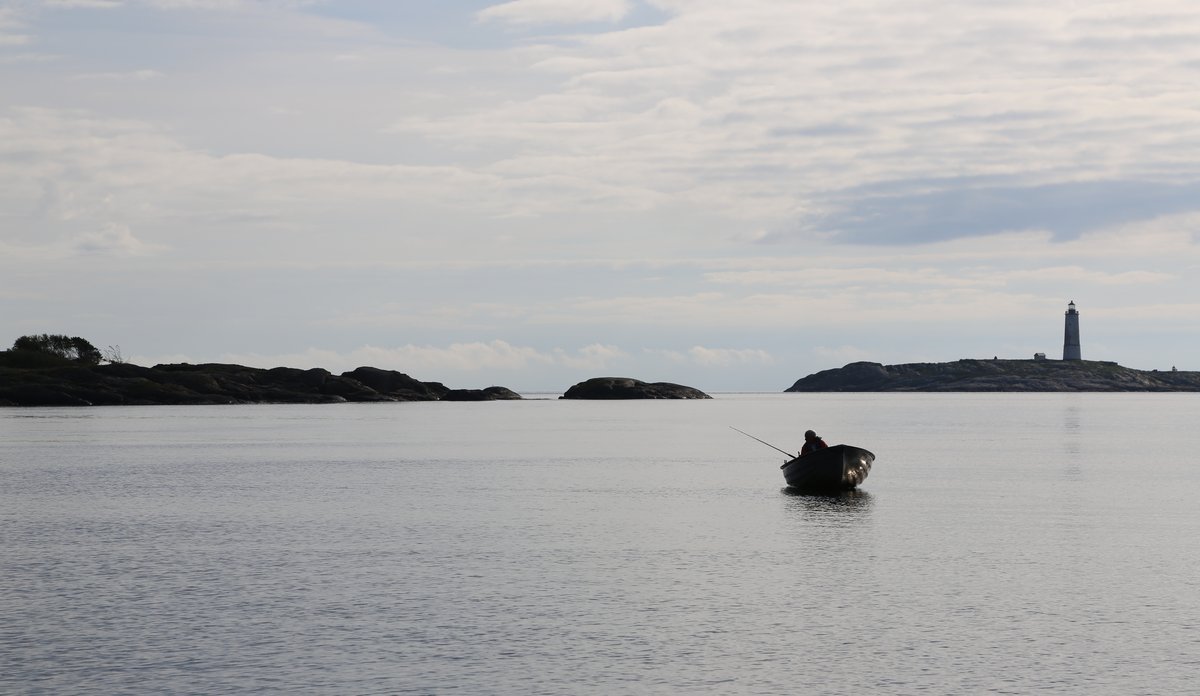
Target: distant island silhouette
(216,383)
(69,376)
(996,375)
(56,370)
(626,388)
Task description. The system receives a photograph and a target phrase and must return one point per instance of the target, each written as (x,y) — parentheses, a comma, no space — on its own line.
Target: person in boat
(812,443)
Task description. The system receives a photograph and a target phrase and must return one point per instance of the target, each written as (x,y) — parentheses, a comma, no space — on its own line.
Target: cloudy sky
(730,195)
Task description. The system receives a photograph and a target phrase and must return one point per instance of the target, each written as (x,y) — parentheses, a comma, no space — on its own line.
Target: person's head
(810,435)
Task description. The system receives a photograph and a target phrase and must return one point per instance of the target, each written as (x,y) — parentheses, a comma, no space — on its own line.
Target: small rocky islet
(627,388)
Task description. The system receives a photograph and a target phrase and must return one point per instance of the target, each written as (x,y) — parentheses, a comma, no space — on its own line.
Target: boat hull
(837,468)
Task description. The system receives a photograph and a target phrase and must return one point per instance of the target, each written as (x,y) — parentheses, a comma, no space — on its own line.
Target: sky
(728,195)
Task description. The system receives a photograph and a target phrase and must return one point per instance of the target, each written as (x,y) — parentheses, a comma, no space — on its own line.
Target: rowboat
(840,467)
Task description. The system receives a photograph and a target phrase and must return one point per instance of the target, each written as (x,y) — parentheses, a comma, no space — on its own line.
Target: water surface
(1037,543)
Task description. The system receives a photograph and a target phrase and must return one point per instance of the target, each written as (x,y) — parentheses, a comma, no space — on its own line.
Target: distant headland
(216,383)
(1071,374)
(1038,375)
(125,384)
(58,370)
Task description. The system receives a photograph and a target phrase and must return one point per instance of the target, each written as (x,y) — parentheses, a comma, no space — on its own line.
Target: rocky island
(28,380)
(996,376)
(626,388)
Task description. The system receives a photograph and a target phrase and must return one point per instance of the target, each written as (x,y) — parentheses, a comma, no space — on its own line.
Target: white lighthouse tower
(1071,334)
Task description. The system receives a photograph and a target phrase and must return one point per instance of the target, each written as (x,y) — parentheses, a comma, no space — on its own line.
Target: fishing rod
(789,454)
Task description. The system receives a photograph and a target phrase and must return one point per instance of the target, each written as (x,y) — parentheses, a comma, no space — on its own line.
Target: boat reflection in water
(853,498)
(837,468)
(832,521)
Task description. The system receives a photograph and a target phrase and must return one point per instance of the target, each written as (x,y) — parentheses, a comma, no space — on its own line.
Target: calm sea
(1007,544)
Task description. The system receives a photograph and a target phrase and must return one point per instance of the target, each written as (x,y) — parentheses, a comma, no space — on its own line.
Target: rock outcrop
(397,384)
(996,376)
(214,383)
(489,394)
(626,388)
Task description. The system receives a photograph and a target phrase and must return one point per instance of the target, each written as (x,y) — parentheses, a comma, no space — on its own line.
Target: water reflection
(1071,418)
(47,413)
(829,509)
(853,494)
(1072,442)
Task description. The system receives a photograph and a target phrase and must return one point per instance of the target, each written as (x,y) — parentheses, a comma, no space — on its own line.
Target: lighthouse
(1071,334)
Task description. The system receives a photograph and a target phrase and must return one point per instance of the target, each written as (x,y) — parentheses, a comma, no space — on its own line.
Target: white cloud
(1182,314)
(715,357)
(592,357)
(12,27)
(89,4)
(854,277)
(1084,276)
(556,11)
(220,5)
(773,111)
(70,167)
(841,355)
(135,75)
(113,238)
(699,176)
(725,357)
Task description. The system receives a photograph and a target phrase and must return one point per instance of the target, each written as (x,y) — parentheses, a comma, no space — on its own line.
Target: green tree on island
(71,348)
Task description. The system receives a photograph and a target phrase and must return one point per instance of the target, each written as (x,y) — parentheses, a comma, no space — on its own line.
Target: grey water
(1003,543)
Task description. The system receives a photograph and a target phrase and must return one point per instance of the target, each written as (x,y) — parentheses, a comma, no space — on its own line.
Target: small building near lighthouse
(1071,334)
